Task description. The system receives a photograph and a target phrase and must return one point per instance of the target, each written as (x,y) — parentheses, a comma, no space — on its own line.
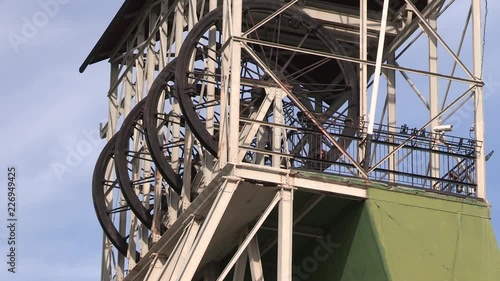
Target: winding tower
(294,140)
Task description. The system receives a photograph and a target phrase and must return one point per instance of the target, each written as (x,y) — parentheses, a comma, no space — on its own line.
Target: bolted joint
(286,193)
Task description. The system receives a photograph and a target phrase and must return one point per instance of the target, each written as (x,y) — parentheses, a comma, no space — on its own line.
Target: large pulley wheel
(135,167)
(105,186)
(326,87)
(165,129)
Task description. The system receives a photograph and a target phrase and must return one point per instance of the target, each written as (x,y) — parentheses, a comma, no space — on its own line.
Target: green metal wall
(406,236)
(357,256)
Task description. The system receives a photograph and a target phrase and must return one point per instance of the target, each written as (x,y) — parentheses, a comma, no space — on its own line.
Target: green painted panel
(427,238)
(348,253)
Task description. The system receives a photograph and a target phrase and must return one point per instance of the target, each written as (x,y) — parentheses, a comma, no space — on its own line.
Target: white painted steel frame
(124,66)
(133,73)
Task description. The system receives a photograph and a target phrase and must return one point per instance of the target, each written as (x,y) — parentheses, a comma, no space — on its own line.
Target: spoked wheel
(105,186)
(325,87)
(165,129)
(135,167)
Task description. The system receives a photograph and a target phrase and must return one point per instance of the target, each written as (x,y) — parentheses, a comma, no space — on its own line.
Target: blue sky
(50,111)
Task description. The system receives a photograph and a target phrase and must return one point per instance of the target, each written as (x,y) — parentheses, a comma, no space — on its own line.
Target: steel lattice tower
(294,140)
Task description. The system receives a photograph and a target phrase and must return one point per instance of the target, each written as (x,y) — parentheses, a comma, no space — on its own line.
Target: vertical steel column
(391,112)
(188,136)
(239,269)
(129,89)
(262,138)
(277,130)
(208,159)
(136,227)
(113,114)
(225,65)
(146,196)
(142,75)
(479,97)
(145,78)
(163,31)
(188,160)
(151,61)
(129,85)
(317,141)
(162,62)
(173,202)
(285,234)
(120,267)
(433,91)
(192,17)
(157,215)
(234,99)
(363,69)
(140,66)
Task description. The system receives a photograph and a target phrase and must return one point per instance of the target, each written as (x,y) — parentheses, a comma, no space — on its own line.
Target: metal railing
(307,149)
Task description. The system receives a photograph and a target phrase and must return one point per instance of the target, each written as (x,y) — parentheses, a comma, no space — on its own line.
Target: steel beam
(208,159)
(250,130)
(378,69)
(168,241)
(430,28)
(155,268)
(412,26)
(479,97)
(347,22)
(285,234)
(310,182)
(255,260)
(356,60)
(433,92)
(135,76)
(157,212)
(277,130)
(363,69)
(419,131)
(113,114)
(391,112)
(207,231)
(234,97)
(179,256)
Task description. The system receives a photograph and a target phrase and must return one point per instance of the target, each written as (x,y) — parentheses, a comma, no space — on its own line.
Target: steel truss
(215,103)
